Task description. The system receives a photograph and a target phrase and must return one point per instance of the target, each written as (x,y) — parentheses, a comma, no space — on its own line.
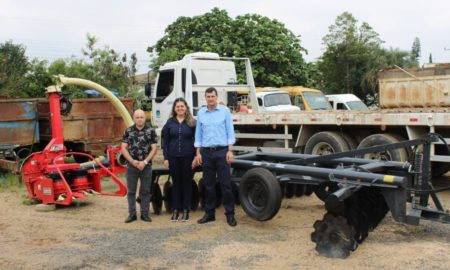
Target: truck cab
(192,75)
(307,99)
(346,102)
(275,100)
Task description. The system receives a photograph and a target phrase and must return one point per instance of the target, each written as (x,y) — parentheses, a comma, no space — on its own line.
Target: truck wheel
(351,142)
(325,143)
(260,194)
(400,154)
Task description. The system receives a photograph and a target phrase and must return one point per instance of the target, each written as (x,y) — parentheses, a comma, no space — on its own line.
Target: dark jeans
(181,172)
(215,164)
(133,175)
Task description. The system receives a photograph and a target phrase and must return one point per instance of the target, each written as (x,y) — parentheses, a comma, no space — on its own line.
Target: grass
(9,181)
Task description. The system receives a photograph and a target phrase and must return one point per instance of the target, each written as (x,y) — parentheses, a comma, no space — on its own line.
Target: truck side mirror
(148,90)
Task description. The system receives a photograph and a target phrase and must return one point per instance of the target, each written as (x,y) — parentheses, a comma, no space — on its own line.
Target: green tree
(415,50)
(13,67)
(275,52)
(353,56)
(350,53)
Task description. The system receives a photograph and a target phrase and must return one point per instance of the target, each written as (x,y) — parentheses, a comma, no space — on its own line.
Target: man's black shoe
(130,218)
(146,218)
(206,218)
(231,221)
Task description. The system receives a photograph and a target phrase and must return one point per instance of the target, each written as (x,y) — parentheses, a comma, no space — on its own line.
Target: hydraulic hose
(61,81)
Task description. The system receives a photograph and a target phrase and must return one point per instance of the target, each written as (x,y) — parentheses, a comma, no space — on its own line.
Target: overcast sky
(52,29)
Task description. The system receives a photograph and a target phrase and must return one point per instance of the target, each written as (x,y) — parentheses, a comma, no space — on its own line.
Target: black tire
(400,154)
(157,199)
(325,143)
(334,237)
(167,190)
(350,140)
(194,196)
(260,194)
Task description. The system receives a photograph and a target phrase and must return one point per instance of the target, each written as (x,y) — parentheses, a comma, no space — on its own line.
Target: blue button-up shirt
(214,127)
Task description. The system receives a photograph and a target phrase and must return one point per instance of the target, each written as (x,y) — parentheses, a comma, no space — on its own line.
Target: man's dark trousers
(215,163)
(133,174)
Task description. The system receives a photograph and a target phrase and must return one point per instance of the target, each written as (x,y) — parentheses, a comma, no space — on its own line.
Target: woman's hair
(188,116)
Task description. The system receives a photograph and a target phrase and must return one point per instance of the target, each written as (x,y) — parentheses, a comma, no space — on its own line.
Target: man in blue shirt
(214,139)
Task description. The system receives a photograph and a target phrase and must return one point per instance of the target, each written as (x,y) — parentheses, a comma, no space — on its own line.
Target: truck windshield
(277,99)
(165,84)
(357,105)
(317,101)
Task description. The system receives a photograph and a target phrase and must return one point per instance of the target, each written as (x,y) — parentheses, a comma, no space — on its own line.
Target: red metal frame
(48,178)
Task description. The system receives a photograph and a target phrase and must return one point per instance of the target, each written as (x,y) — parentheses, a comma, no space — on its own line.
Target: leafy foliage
(275,52)
(353,56)
(13,67)
(105,66)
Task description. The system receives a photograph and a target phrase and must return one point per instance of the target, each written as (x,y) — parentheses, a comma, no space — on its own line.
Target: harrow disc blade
(334,237)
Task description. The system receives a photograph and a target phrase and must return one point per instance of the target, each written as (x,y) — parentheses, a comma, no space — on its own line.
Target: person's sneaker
(146,218)
(130,218)
(206,218)
(185,216)
(175,215)
(231,220)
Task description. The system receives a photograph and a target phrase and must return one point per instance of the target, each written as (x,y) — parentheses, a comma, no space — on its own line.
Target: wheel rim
(322,148)
(386,156)
(257,195)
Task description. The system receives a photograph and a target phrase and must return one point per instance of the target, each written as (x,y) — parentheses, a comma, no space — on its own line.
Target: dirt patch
(92,235)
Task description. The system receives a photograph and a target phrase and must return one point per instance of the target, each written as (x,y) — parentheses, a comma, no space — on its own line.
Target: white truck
(401,116)
(346,102)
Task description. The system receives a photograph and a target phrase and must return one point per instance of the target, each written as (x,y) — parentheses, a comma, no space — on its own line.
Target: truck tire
(260,194)
(325,143)
(400,154)
(351,142)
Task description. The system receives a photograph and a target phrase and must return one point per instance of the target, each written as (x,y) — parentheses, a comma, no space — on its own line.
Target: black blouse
(178,139)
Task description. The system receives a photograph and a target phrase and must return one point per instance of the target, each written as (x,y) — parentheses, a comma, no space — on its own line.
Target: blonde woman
(178,149)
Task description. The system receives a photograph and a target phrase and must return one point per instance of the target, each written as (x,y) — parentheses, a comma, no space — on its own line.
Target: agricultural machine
(48,176)
(357,192)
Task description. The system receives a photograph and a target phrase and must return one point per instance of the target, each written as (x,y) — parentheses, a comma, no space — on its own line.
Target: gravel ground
(92,235)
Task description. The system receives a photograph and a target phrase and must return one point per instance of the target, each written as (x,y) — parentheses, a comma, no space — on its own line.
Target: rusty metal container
(421,88)
(91,125)
(18,122)
(19,128)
